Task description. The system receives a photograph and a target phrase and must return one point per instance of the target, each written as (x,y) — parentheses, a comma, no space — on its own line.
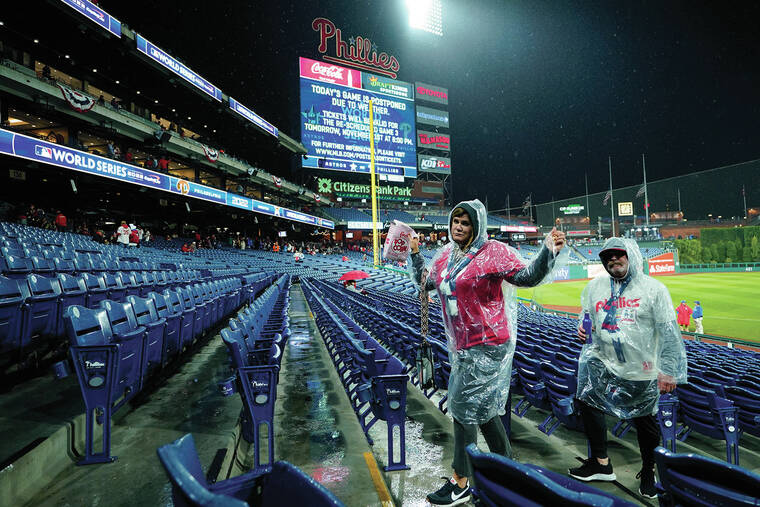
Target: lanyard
(610,320)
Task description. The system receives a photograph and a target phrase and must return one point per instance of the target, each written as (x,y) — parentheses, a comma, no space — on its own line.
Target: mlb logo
(43,151)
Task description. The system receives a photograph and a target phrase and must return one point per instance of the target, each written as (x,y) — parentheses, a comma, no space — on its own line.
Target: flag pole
(744,196)
(373,189)
(588,209)
(646,195)
(612,199)
(509,210)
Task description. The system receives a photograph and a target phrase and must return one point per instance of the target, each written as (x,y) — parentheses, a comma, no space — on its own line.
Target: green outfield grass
(731,301)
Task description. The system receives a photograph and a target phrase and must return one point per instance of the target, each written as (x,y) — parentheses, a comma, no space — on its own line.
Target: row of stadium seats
(374,380)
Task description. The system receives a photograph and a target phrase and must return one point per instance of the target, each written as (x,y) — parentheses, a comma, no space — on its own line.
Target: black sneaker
(647,488)
(450,493)
(592,470)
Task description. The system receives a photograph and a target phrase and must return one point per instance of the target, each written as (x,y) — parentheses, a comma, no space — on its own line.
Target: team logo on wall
(183,187)
(317,197)
(324,185)
(277,181)
(211,154)
(78,101)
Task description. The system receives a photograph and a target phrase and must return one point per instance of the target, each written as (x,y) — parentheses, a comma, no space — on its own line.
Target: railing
(718,267)
(698,337)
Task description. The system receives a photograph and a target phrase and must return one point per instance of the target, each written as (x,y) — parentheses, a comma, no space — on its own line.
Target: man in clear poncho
(475,280)
(636,353)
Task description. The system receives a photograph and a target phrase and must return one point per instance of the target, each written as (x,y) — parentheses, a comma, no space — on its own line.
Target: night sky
(540,91)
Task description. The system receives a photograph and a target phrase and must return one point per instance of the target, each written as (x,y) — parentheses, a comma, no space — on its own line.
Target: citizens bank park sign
(357,51)
(356,191)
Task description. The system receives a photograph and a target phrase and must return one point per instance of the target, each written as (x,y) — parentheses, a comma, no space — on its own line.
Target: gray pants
(466,434)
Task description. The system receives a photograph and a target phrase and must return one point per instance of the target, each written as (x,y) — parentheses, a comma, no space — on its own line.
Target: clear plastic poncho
(477,292)
(635,338)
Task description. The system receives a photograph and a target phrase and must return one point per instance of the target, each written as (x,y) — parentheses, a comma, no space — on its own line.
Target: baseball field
(730,301)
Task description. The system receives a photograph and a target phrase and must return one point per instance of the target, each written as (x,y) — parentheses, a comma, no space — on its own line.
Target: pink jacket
(481,314)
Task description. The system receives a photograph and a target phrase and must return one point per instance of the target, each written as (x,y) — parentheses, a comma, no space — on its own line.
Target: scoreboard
(334,115)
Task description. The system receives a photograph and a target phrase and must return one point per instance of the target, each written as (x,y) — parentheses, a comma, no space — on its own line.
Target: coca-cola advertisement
(335,122)
(330,73)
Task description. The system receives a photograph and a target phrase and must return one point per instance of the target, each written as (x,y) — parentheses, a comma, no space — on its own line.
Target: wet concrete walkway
(315,427)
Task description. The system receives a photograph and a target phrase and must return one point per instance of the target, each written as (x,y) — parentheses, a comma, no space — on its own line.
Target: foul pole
(373,195)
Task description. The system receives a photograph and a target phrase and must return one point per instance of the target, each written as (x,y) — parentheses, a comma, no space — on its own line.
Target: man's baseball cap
(613,244)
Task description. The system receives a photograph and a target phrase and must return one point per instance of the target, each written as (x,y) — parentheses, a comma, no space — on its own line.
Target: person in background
(697,315)
(684,315)
(122,234)
(134,236)
(60,221)
(146,236)
(185,248)
(101,100)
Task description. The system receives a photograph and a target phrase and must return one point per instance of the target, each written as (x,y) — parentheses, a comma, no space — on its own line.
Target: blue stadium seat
(125,329)
(175,299)
(690,479)
(172,340)
(155,326)
(279,485)
(96,289)
(12,300)
(500,481)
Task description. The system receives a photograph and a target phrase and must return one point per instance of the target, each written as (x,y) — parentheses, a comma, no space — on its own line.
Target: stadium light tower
(425,15)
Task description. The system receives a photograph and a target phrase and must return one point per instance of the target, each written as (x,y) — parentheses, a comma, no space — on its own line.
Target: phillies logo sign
(359,52)
(183,187)
(622,302)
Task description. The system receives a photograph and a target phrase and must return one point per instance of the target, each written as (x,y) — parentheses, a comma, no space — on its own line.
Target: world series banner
(30,148)
(335,121)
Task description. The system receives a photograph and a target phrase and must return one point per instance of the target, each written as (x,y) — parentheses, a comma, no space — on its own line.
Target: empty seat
(283,484)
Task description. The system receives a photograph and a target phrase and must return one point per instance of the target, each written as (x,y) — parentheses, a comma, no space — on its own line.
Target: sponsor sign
(433,141)
(96,14)
(364,225)
(30,148)
(430,93)
(357,51)
(386,86)
(165,60)
(430,116)
(335,123)
(572,209)
(431,164)
(517,236)
(662,265)
(357,191)
(625,209)
(253,117)
(582,232)
(562,273)
(517,228)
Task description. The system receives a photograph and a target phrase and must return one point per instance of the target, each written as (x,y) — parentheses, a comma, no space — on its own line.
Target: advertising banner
(431,164)
(625,209)
(349,190)
(431,93)
(572,209)
(430,116)
(30,148)
(335,122)
(662,265)
(253,117)
(387,86)
(96,14)
(160,56)
(517,228)
(433,141)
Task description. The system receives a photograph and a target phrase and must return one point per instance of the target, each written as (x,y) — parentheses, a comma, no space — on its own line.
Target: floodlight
(425,15)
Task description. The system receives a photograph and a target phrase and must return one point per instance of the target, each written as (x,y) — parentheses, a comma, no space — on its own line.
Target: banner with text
(430,116)
(335,121)
(431,93)
(96,14)
(253,117)
(349,190)
(165,60)
(30,148)
(431,164)
(433,141)
(662,265)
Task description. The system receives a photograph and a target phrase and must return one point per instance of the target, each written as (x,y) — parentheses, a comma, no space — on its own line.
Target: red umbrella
(354,275)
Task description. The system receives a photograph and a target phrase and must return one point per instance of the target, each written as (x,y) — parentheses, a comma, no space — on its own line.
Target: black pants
(466,434)
(647,431)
